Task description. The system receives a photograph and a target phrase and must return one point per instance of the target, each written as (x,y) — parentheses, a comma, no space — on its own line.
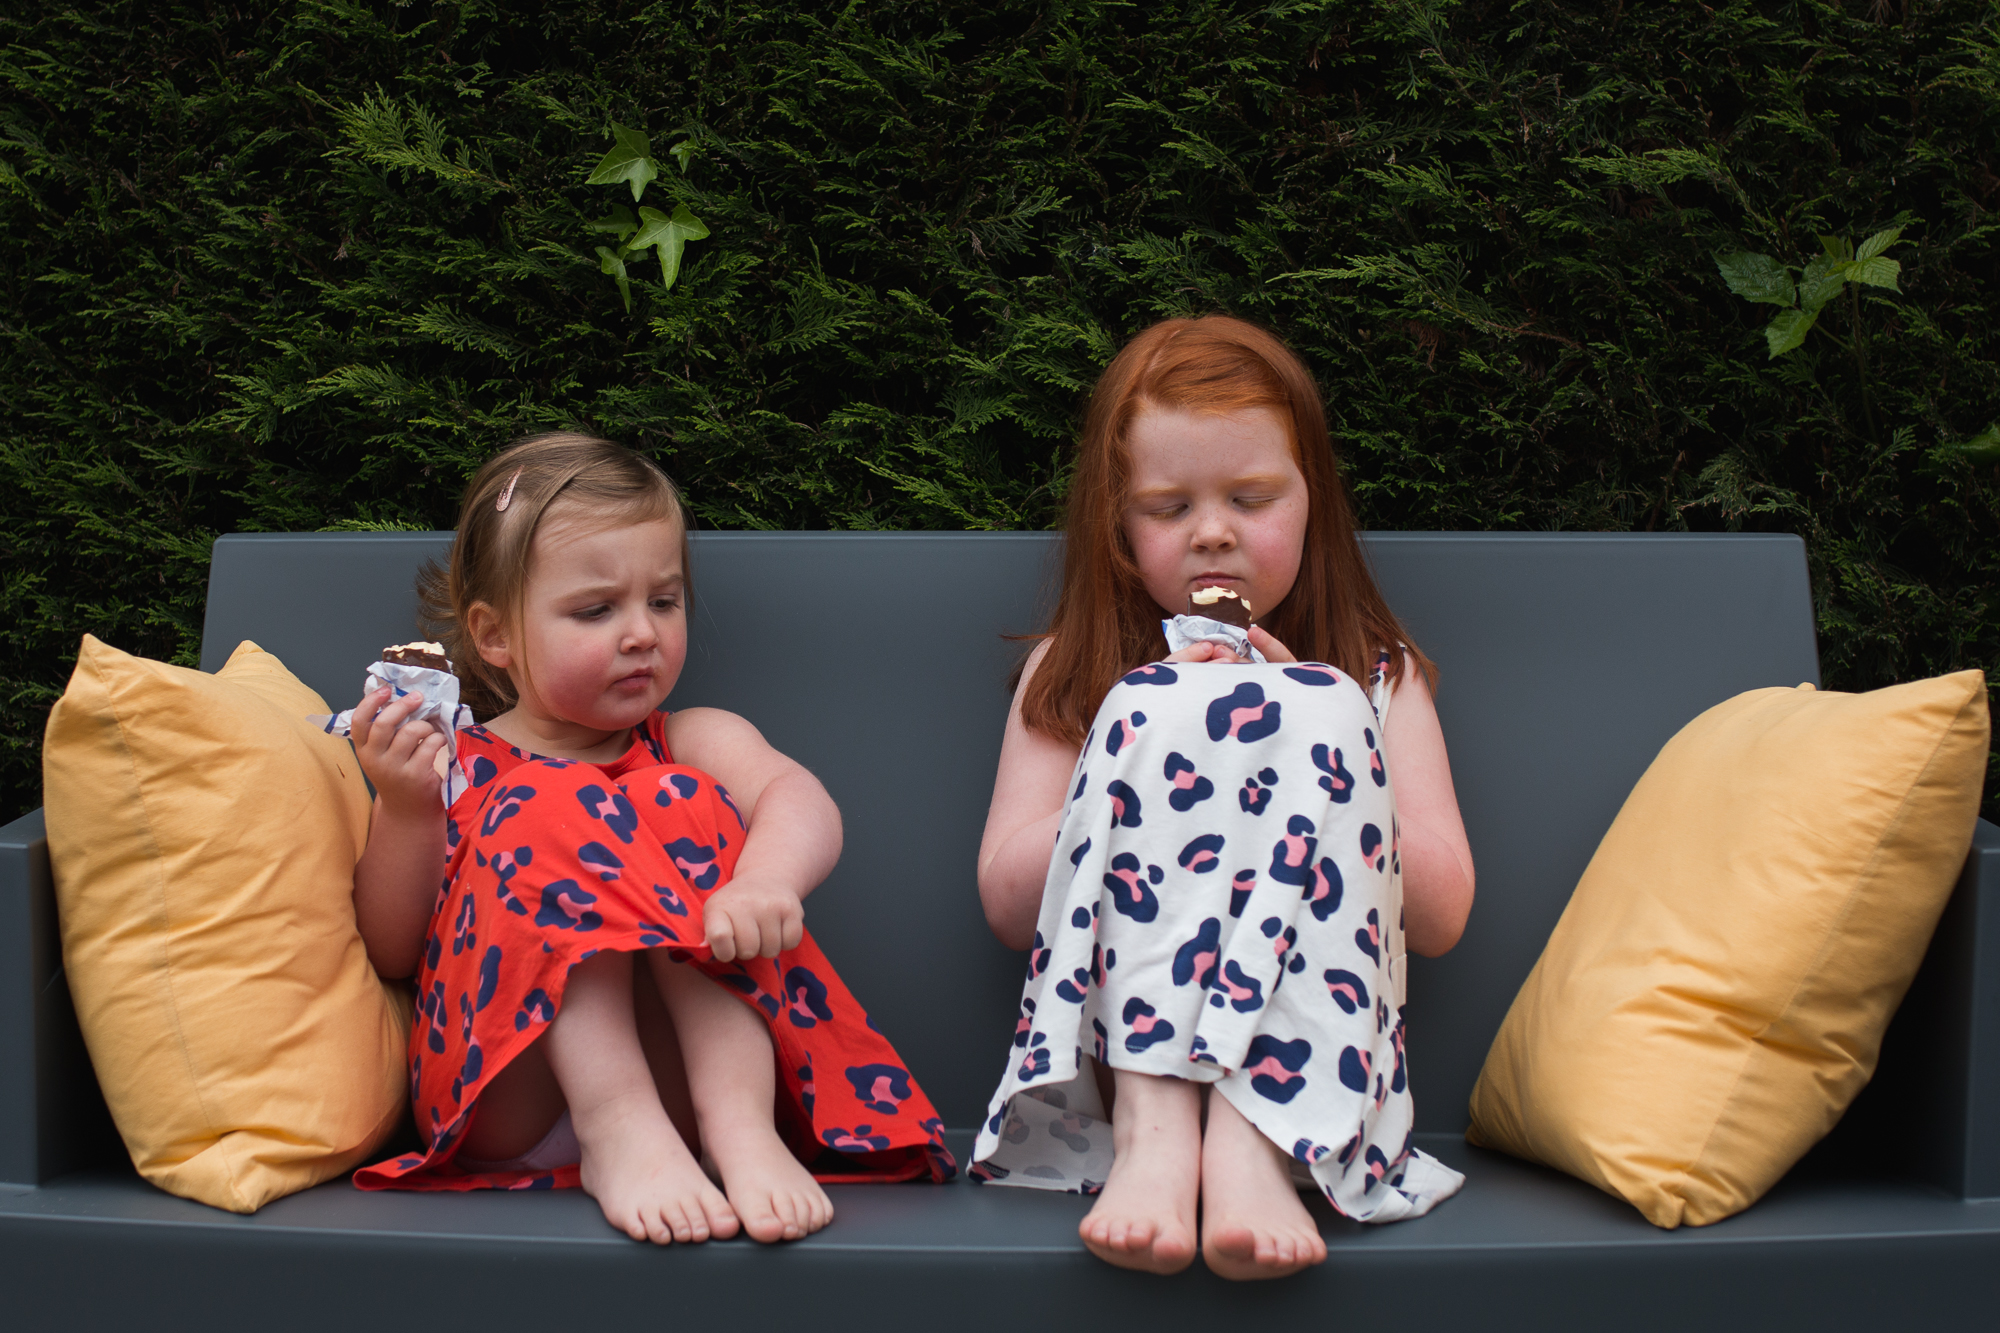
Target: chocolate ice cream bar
(420,654)
(1221,604)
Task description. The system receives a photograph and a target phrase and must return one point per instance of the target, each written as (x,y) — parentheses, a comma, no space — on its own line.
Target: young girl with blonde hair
(595,830)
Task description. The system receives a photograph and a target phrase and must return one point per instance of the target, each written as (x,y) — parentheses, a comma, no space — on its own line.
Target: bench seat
(1568,660)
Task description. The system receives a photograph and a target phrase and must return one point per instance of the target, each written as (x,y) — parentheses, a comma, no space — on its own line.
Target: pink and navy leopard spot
(1199,856)
(1313,673)
(696,861)
(1371,847)
(880,1088)
(1369,938)
(566,906)
(1190,787)
(1274,1066)
(1122,731)
(805,998)
(1148,1028)
(1240,889)
(597,854)
(1291,856)
(1131,887)
(1125,807)
(1154,673)
(1244,714)
(1323,891)
(1243,993)
(610,807)
(1195,960)
(1335,780)
(1349,991)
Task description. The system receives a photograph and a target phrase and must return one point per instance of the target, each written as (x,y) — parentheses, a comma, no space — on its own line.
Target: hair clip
(507,493)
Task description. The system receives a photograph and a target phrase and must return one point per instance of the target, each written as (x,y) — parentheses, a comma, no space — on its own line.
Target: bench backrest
(879,660)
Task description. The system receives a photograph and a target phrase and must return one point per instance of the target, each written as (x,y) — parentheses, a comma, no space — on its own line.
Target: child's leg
(731,1074)
(634,1163)
(1253,1224)
(1145,1217)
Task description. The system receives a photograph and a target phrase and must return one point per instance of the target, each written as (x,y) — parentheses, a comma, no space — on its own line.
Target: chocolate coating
(405,655)
(1227,607)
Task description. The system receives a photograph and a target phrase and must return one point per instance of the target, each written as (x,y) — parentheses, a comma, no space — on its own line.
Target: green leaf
(619,222)
(1876,244)
(1838,248)
(1981,448)
(1788,330)
(610,261)
(1760,278)
(1876,271)
(1820,283)
(630,161)
(683,152)
(670,235)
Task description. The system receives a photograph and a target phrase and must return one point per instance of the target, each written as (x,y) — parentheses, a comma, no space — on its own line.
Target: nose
(640,635)
(1213,530)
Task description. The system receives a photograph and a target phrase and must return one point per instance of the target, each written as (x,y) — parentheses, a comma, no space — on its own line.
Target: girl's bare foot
(643,1177)
(1253,1222)
(1144,1219)
(771,1192)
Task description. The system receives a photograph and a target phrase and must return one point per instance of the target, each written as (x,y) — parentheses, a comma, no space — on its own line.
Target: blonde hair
(581,475)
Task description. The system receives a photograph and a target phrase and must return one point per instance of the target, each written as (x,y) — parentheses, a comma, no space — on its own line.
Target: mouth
(1214,580)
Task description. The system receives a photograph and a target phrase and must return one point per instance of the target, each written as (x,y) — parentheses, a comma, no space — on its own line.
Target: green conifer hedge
(301,265)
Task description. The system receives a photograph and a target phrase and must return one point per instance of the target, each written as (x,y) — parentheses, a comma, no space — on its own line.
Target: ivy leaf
(618,222)
(1876,244)
(683,152)
(1820,283)
(610,261)
(1759,278)
(630,161)
(1876,271)
(1981,448)
(670,234)
(1788,330)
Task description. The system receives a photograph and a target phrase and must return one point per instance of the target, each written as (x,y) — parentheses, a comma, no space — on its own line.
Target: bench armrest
(52,1117)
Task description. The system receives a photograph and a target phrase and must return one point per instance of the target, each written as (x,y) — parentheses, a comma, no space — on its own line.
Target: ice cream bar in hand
(1220,604)
(420,654)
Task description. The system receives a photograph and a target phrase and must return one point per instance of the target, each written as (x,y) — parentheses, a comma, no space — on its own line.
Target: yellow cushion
(203,837)
(1715,993)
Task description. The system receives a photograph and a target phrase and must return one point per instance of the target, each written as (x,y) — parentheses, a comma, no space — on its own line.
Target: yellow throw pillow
(1715,993)
(203,837)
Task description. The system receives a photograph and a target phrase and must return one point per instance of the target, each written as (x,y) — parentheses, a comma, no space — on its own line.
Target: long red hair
(1105,623)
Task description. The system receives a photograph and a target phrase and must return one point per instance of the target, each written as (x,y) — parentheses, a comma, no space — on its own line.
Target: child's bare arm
(1437,860)
(396,879)
(793,835)
(1022,821)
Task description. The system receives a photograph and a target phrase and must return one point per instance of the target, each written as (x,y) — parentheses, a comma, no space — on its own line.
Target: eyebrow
(678,577)
(1235,483)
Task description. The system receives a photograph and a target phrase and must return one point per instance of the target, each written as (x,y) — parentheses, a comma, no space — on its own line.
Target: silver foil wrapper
(440,708)
(1184,630)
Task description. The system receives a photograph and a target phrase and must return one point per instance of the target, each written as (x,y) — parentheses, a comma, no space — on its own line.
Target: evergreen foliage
(302,265)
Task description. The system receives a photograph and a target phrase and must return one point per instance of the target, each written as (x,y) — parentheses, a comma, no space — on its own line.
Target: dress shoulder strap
(1381,686)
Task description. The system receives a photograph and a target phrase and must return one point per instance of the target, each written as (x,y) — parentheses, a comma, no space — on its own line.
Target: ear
(489,635)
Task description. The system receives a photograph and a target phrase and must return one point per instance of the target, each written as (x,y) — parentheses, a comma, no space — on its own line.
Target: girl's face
(1215,500)
(603,628)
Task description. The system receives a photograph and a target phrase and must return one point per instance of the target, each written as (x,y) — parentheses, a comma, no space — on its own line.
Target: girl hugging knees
(1243,850)
(614,984)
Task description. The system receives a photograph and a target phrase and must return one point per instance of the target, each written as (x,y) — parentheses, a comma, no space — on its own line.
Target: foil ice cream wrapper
(440,708)
(1184,630)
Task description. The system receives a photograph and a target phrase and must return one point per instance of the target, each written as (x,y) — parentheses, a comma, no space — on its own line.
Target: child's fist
(399,756)
(752,918)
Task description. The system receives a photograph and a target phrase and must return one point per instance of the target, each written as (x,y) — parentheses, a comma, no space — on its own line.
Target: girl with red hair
(1223,922)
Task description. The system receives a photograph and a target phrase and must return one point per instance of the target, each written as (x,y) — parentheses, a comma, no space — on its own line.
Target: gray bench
(1567,661)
